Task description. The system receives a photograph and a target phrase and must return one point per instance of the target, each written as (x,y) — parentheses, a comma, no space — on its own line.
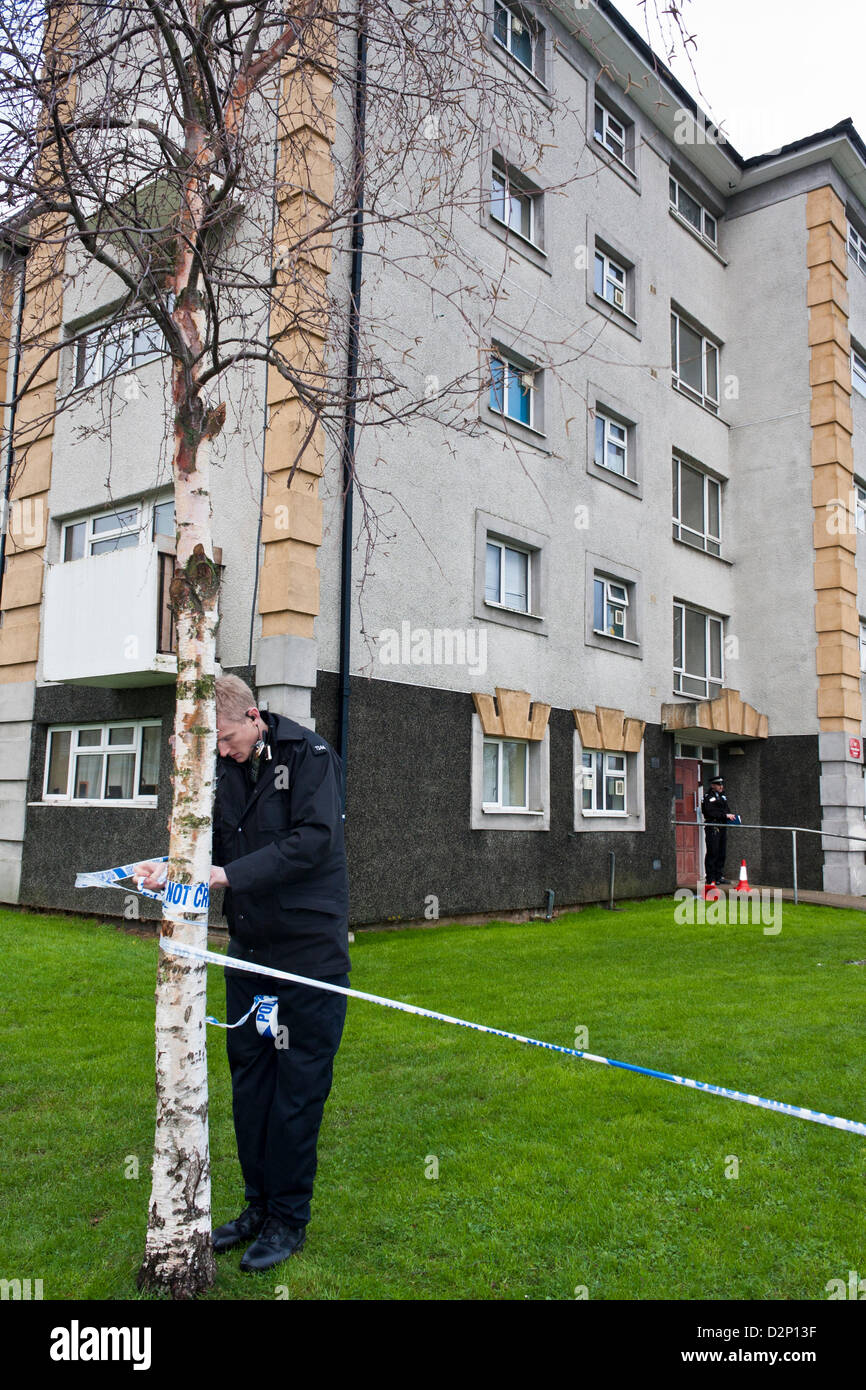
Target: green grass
(553,1172)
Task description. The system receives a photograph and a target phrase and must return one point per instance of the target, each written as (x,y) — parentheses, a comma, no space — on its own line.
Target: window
(610,608)
(858,371)
(107,763)
(857,247)
(506,774)
(508,576)
(693,212)
(608,789)
(521,36)
(695,362)
(697,653)
(512,205)
(610,132)
(862,645)
(163,519)
(611,445)
(101,534)
(604,784)
(610,280)
(696,507)
(860,506)
(114,346)
(510,781)
(513,391)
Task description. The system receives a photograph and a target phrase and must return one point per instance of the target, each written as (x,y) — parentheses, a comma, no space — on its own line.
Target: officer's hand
(730,817)
(218,877)
(153,873)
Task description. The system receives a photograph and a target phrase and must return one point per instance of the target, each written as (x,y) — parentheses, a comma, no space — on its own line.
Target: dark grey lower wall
(408,812)
(408,806)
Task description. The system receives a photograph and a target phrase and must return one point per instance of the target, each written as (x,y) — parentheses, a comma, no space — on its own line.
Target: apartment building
(638,567)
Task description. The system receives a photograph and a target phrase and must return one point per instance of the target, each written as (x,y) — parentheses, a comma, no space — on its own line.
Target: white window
(862,645)
(610,280)
(113,346)
(857,247)
(508,576)
(860,504)
(706,754)
(611,608)
(513,205)
(695,362)
(693,212)
(604,784)
(696,507)
(858,371)
(610,132)
(102,533)
(506,774)
(111,764)
(697,652)
(514,391)
(520,35)
(611,445)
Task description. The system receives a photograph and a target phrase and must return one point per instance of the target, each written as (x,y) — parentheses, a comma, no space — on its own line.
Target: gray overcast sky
(770,71)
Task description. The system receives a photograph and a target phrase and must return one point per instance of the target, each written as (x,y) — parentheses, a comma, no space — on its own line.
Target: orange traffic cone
(711,889)
(743,885)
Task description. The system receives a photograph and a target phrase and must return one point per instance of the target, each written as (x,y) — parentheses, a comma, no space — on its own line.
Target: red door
(686,774)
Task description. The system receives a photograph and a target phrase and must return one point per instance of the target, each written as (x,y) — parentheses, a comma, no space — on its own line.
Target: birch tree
(138,142)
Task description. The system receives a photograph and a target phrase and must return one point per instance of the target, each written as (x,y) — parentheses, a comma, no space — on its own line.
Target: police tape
(175,897)
(799,1112)
(266,1008)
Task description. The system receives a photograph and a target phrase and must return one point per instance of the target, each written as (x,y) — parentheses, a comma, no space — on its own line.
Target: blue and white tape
(175,897)
(799,1112)
(266,1007)
(109,878)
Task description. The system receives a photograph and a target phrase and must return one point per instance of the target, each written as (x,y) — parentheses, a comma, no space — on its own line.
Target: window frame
(607,774)
(500,807)
(600,569)
(91,538)
(611,602)
(102,750)
(711,241)
(594,821)
(536,33)
(603,418)
(858,370)
(678,462)
(503,545)
(516,190)
(608,265)
(685,388)
(513,364)
(856,244)
(499,530)
(486,816)
(118,335)
(601,139)
(680,673)
(859,506)
(862,646)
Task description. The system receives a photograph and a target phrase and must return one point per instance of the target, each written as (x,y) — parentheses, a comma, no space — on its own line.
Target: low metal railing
(795,830)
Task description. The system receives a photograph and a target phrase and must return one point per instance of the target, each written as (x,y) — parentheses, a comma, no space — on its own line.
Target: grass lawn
(552,1173)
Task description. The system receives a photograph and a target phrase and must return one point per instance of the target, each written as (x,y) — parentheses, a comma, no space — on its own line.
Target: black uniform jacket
(281,845)
(715,808)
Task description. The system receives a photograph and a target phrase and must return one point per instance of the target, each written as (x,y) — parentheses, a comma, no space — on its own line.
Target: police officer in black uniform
(716,813)
(278,839)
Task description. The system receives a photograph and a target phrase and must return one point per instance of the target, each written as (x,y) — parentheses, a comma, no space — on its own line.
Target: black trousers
(279,1092)
(714,859)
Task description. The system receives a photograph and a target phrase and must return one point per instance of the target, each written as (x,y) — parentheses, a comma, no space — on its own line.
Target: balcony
(107,620)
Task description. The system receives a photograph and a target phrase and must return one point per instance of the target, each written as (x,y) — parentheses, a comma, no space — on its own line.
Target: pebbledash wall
(781,295)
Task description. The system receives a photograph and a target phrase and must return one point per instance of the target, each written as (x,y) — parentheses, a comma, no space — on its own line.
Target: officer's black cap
(713,780)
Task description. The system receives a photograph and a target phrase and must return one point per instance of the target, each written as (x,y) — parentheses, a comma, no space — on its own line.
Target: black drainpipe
(348,443)
(12,410)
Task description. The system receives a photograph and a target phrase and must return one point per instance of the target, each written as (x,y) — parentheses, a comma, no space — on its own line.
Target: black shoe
(249,1223)
(276,1243)
(723,879)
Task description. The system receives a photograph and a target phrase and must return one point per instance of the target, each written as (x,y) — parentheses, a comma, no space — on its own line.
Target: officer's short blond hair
(233,699)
